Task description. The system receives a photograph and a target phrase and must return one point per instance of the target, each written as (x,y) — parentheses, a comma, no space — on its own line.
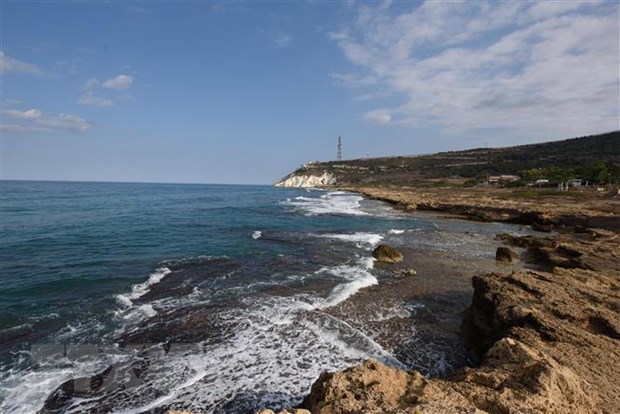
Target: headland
(544,335)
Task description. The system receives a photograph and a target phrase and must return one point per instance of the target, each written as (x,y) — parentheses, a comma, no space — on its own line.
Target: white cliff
(307,180)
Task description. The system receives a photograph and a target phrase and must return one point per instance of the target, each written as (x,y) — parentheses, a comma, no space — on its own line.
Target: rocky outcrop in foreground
(547,341)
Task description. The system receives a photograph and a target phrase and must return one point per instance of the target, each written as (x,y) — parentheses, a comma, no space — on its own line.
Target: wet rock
(544,228)
(387,254)
(504,254)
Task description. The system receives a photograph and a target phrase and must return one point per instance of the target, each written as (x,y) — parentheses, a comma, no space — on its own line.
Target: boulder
(369,388)
(387,254)
(504,254)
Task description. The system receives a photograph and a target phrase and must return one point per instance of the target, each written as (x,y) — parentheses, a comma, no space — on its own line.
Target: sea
(209,298)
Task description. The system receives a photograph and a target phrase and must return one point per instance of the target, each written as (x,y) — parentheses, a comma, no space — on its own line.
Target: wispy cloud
(89,98)
(118,83)
(35,120)
(90,84)
(378,116)
(9,64)
(95,92)
(544,66)
(283,40)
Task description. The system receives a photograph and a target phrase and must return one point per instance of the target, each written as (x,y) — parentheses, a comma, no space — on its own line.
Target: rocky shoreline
(546,337)
(543,329)
(543,212)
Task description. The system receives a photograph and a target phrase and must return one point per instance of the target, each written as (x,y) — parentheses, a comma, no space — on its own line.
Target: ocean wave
(24,392)
(361,239)
(396,231)
(335,203)
(257,234)
(357,277)
(141,289)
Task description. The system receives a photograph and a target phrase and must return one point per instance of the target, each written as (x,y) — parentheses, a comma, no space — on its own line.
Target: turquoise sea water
(255,267)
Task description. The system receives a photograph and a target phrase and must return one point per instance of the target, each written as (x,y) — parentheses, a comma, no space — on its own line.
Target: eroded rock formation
(547,341)
(307,180)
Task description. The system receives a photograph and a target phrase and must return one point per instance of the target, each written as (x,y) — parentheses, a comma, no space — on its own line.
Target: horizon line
(126,182)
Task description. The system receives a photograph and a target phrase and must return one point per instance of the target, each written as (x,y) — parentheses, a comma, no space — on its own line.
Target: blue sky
(244,92)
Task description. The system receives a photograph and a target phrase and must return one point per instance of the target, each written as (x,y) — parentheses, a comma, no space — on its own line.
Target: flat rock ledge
(546,341)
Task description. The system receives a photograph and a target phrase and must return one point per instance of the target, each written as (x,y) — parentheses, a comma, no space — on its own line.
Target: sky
(244,92)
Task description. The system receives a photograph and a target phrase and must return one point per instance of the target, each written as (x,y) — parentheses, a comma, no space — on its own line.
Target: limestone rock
(504,254)
(387,254)
(371,387)
(307,180)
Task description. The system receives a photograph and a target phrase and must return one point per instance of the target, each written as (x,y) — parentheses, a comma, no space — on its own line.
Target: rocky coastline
(546,337)
(554,211)
(543,328)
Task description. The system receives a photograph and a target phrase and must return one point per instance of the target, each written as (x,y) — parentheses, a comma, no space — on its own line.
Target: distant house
(503,178)
(574,183)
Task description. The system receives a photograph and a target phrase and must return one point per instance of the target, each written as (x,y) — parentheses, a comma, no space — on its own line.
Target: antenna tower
(339,157)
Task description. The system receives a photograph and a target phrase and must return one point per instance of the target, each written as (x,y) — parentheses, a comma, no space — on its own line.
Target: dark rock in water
(75,388)
(387,254)
(504,254)
(545,228)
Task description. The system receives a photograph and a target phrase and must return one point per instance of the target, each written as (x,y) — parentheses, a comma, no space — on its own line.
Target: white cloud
(28,114)
(379,116)
(283,40)
(118,83)
(95,93)
(91,83)
(550,68)
(35,120)
(89,98)
(21,128)
(9,64)
(545,9)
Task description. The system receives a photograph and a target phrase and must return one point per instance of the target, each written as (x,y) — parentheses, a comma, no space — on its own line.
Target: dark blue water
(232,268)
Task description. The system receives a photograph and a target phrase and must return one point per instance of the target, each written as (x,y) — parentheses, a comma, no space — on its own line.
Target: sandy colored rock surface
(546,335)
(546,211)
(387,254)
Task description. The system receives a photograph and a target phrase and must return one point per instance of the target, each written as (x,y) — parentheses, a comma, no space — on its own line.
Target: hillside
(595,158)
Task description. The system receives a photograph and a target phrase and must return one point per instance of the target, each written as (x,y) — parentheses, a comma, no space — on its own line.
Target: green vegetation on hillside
(594,158)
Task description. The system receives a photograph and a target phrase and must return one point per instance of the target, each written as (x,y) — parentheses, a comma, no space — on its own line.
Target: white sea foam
(275,338)
(357,277)
(24,392)
(140,289)
(396,231)
(257,234)
(361,239)
(336,202)
(277,350)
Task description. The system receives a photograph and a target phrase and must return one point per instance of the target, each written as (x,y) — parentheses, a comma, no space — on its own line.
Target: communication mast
(339,157)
